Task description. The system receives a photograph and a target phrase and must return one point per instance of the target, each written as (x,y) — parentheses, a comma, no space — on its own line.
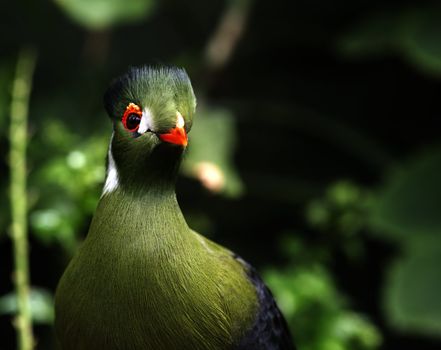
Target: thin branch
(227,34)
(18,142)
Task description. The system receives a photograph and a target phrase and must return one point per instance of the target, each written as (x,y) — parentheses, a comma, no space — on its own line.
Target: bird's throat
(150,211)
(148,168)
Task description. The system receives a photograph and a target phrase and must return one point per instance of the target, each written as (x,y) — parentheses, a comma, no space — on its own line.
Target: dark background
(322,125)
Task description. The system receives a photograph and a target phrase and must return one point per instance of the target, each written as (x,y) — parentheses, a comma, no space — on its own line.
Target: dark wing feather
(269,331)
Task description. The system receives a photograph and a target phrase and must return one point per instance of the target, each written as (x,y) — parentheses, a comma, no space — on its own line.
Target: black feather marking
(270,330)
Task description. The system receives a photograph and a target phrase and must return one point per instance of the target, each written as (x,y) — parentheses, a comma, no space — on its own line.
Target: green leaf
(210,156)
(413,289)
(421,43)
(40,301)
(101,14)
(317,312)
(413,33)
(409,203)
(407,208)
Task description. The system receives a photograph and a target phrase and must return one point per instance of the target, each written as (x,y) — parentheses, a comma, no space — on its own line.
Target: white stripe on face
(146,121)
(112,181)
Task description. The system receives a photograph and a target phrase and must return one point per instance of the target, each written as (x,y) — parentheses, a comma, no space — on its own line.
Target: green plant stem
(18,141)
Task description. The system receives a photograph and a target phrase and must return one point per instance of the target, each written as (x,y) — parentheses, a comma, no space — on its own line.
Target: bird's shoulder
(269,330)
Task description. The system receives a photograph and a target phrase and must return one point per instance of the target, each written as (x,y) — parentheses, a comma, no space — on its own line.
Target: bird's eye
(132,117)
(132,122)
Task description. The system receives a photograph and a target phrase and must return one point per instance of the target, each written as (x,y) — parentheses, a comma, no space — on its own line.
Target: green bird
(142,279)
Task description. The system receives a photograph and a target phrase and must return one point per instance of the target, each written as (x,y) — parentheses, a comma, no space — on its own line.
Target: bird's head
(152,111)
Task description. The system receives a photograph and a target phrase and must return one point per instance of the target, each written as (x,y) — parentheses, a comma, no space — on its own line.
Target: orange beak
(177,136)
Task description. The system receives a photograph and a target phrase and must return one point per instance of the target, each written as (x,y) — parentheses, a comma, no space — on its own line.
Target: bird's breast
(153,297)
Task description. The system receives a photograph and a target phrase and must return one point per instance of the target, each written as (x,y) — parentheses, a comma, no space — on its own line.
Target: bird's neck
(139,200)
(142,173)
(147,212)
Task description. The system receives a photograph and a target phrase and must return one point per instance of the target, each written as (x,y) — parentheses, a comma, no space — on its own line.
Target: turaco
(143,279)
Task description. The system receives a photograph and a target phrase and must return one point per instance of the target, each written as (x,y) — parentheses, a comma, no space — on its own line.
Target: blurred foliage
(65,187)
(413,288)
(40,301)
(213,140)
(342,209)
(6,73)
(412,33)
(101,14)
(410,200)
(308,174)
(316,311)
(407,209)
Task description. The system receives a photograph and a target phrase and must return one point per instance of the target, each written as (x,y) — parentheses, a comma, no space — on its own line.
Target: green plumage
(143,279)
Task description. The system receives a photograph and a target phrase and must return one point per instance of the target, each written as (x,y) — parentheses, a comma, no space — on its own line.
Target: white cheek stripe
(146,121)
(180,122)
(112,181)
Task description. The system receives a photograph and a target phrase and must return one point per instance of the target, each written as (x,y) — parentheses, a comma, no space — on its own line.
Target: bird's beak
(177,135)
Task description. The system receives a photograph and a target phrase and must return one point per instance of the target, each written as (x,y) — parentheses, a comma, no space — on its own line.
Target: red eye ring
(127,118)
